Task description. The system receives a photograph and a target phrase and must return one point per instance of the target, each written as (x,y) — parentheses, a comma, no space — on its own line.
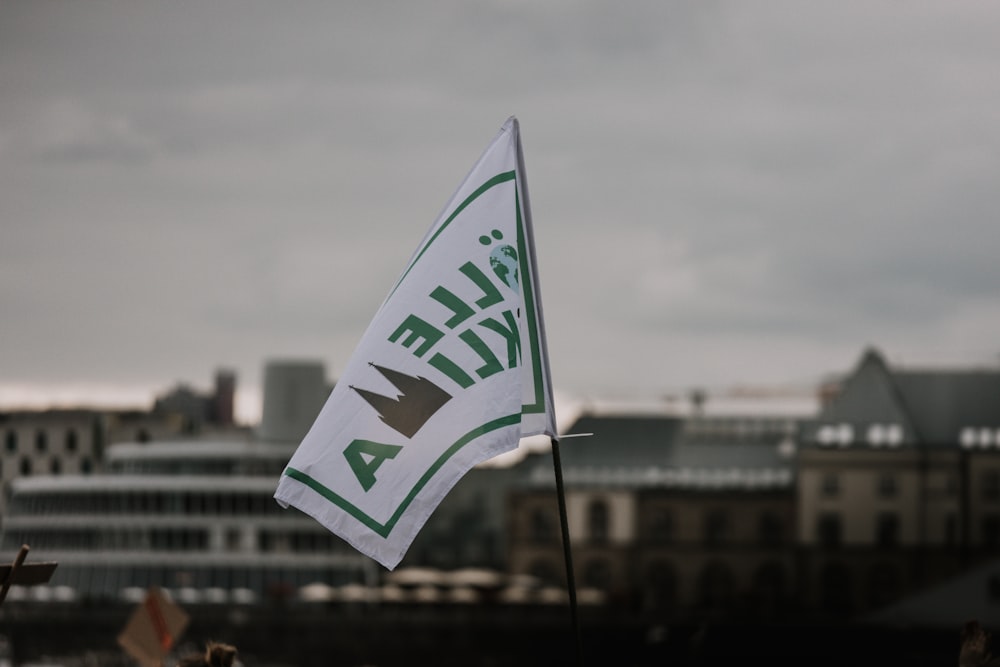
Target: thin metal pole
(567,553)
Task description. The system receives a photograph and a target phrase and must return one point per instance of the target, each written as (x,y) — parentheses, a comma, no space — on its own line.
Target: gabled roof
(943,403)
(931,406)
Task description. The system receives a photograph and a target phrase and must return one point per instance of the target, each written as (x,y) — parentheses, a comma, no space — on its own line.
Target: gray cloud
(722,193)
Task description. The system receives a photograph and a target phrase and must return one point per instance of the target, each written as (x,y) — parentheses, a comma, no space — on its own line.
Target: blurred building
(193,512)
(879,487)
(197,411)
(673,514)
(72,441)
(890,488)
(294,393)
(899,484)
(49,442)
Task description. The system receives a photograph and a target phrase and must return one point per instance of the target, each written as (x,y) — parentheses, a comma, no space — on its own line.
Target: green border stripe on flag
(384,529)
(529,308)
(529,289)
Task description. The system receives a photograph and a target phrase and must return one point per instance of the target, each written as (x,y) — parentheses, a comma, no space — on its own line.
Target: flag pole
(567,552)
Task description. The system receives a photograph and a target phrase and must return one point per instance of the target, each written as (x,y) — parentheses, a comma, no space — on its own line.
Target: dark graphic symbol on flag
(418,400)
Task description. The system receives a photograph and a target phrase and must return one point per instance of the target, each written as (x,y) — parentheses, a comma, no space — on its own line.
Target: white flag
(451,372)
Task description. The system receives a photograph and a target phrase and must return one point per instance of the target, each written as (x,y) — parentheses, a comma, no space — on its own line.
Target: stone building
(891,486)
(73,441)
(667,514)
(898,484)
(49,442)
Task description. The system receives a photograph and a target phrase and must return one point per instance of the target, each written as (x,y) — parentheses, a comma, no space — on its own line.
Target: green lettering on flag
(364,469)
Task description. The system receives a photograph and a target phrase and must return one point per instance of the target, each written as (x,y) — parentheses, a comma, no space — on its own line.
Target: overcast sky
(724,193)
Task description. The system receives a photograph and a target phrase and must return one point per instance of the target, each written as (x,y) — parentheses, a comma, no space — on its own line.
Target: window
(597,574)
(951,529)
(10,442)
(991,530)
(835,588)
(828,530)
(883,585)
(234,539)
(71,441)
(41,441)
(274,542)
(770,529)
(716,527)
(597,521)
(661,528)
(993,587)
(887,530)
(991,485)
(830,485)
(178,539)
(716,587)
(769,587)
(542,526)
(661,585)
(25,466)
(887,486)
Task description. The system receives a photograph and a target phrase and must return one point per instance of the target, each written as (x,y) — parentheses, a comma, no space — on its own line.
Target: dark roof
(931,406)
(941,404)
(621,440)
(634,450)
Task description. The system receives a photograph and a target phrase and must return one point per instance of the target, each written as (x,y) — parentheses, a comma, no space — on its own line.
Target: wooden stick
(21,555)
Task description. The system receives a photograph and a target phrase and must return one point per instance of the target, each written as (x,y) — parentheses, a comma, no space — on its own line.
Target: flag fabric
(452,371)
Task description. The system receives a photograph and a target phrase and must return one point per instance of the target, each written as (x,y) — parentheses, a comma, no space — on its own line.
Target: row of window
(717,527)
(156,539)
(110,580)
(887,485)
(219,467)
(717,587)
(710,427)
(716,583)
(143,502)
(829,530)
(27,466)
(877,435)
(771,530)
(71,441)
(181,539)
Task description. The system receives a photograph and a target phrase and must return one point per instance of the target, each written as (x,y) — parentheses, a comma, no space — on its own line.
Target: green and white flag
(452,371)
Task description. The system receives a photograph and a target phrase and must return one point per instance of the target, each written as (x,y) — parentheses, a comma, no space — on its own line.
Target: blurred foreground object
(153,628)
(975,648)
(216,655)
(24,575)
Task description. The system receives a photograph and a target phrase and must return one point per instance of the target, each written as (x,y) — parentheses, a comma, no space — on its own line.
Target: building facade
(899,484)
(49,442)
(890,487)
(667,515)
